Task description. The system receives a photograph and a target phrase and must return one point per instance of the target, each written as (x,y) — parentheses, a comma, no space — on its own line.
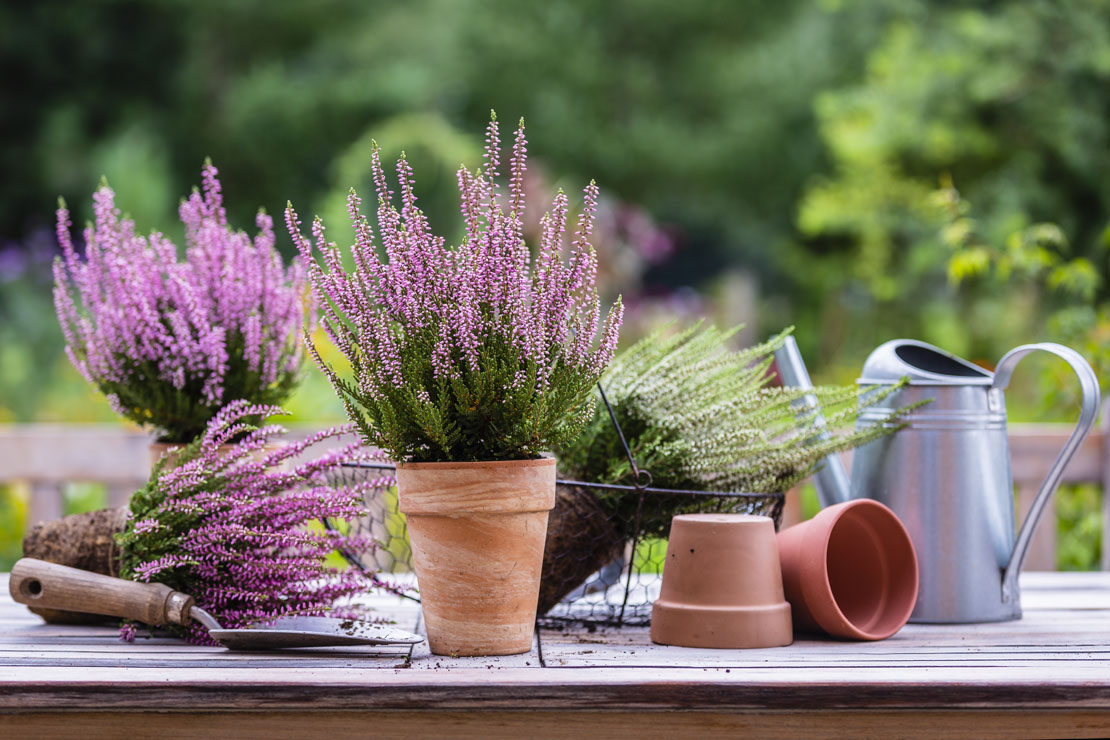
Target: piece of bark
(581,539)
(86,541)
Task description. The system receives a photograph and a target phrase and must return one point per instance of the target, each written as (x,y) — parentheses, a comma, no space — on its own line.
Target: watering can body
(946,474)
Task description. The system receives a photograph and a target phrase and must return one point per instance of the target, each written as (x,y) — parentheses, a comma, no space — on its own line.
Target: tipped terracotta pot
(851,571)
(477,532)
(721,585)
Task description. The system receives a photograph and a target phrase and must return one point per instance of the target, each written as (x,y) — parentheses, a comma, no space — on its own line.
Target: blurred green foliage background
(862,169)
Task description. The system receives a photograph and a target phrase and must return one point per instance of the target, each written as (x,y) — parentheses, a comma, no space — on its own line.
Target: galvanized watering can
(947,473)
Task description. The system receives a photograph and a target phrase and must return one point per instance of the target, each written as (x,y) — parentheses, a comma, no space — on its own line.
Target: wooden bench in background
(48,456)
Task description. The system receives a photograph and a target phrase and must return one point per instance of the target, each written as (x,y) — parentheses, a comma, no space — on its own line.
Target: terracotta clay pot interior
(867,571)
(851,571)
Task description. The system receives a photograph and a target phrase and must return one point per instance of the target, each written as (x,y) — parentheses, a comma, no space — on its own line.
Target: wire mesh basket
(606,543)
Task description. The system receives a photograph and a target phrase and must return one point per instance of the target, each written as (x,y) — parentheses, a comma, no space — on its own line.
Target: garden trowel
(49,585)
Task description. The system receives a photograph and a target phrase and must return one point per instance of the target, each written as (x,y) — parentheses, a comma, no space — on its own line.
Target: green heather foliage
(699,416)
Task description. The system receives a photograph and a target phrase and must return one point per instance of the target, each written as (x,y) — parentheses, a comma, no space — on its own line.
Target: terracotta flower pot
(851,571)
(477,532)
(721,585)
(171,449)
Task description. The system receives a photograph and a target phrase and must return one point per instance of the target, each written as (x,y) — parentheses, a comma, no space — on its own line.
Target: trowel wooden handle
(49,585)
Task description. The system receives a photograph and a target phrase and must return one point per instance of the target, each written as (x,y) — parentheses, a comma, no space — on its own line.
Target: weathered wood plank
(1090,642)
(509,725)
(818,725)
(1054,663)
(107,453)
(1034,447)
(598,688)
(46,501)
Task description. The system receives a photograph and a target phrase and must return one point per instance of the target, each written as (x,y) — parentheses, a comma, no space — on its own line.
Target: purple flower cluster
(458,311)
(230,525)
(157,334)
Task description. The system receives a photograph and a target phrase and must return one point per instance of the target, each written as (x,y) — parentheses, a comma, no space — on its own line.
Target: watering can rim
(886,366)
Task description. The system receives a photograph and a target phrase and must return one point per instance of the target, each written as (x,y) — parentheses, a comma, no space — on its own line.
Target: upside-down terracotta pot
(477,532)
(721,585)
(851,571)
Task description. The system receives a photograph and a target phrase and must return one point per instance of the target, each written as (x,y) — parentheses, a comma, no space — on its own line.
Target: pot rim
(847,627)
(468,488)
(545,461)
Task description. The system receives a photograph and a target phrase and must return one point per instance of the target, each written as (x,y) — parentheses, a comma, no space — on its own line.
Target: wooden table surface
(1047,675)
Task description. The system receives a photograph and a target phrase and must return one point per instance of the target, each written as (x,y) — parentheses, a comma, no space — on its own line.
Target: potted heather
(469,364)
(168,340)
(699,416)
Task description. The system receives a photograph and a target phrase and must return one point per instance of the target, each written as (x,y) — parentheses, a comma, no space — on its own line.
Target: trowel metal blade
(292,632)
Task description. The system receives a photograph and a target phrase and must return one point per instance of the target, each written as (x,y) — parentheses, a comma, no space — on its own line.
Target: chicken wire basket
(606,543)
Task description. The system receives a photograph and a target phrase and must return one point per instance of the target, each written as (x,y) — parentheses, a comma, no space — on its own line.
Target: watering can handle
(1088,382)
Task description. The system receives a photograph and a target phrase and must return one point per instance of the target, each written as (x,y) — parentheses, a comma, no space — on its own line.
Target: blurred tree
(1010,101)
(700,111)
(708,99)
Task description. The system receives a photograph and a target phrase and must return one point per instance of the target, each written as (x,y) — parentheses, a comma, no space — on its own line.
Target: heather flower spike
(230,527)
(482,351)
(168,341)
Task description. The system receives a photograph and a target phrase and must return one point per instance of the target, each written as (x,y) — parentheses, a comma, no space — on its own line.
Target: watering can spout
(831,479)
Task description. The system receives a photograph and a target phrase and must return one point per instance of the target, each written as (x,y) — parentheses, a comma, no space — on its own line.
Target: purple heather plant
(482,351)
(229,526)
(168,341)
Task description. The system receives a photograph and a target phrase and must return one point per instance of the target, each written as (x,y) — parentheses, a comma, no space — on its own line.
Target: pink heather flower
(231,528)
(171,341)
(442,339)
(146,526)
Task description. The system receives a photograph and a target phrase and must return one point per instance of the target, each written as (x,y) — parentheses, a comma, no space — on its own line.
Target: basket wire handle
(641,479)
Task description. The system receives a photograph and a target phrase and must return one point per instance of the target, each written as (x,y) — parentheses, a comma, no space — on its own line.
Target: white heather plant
(700,416)
(481,351)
